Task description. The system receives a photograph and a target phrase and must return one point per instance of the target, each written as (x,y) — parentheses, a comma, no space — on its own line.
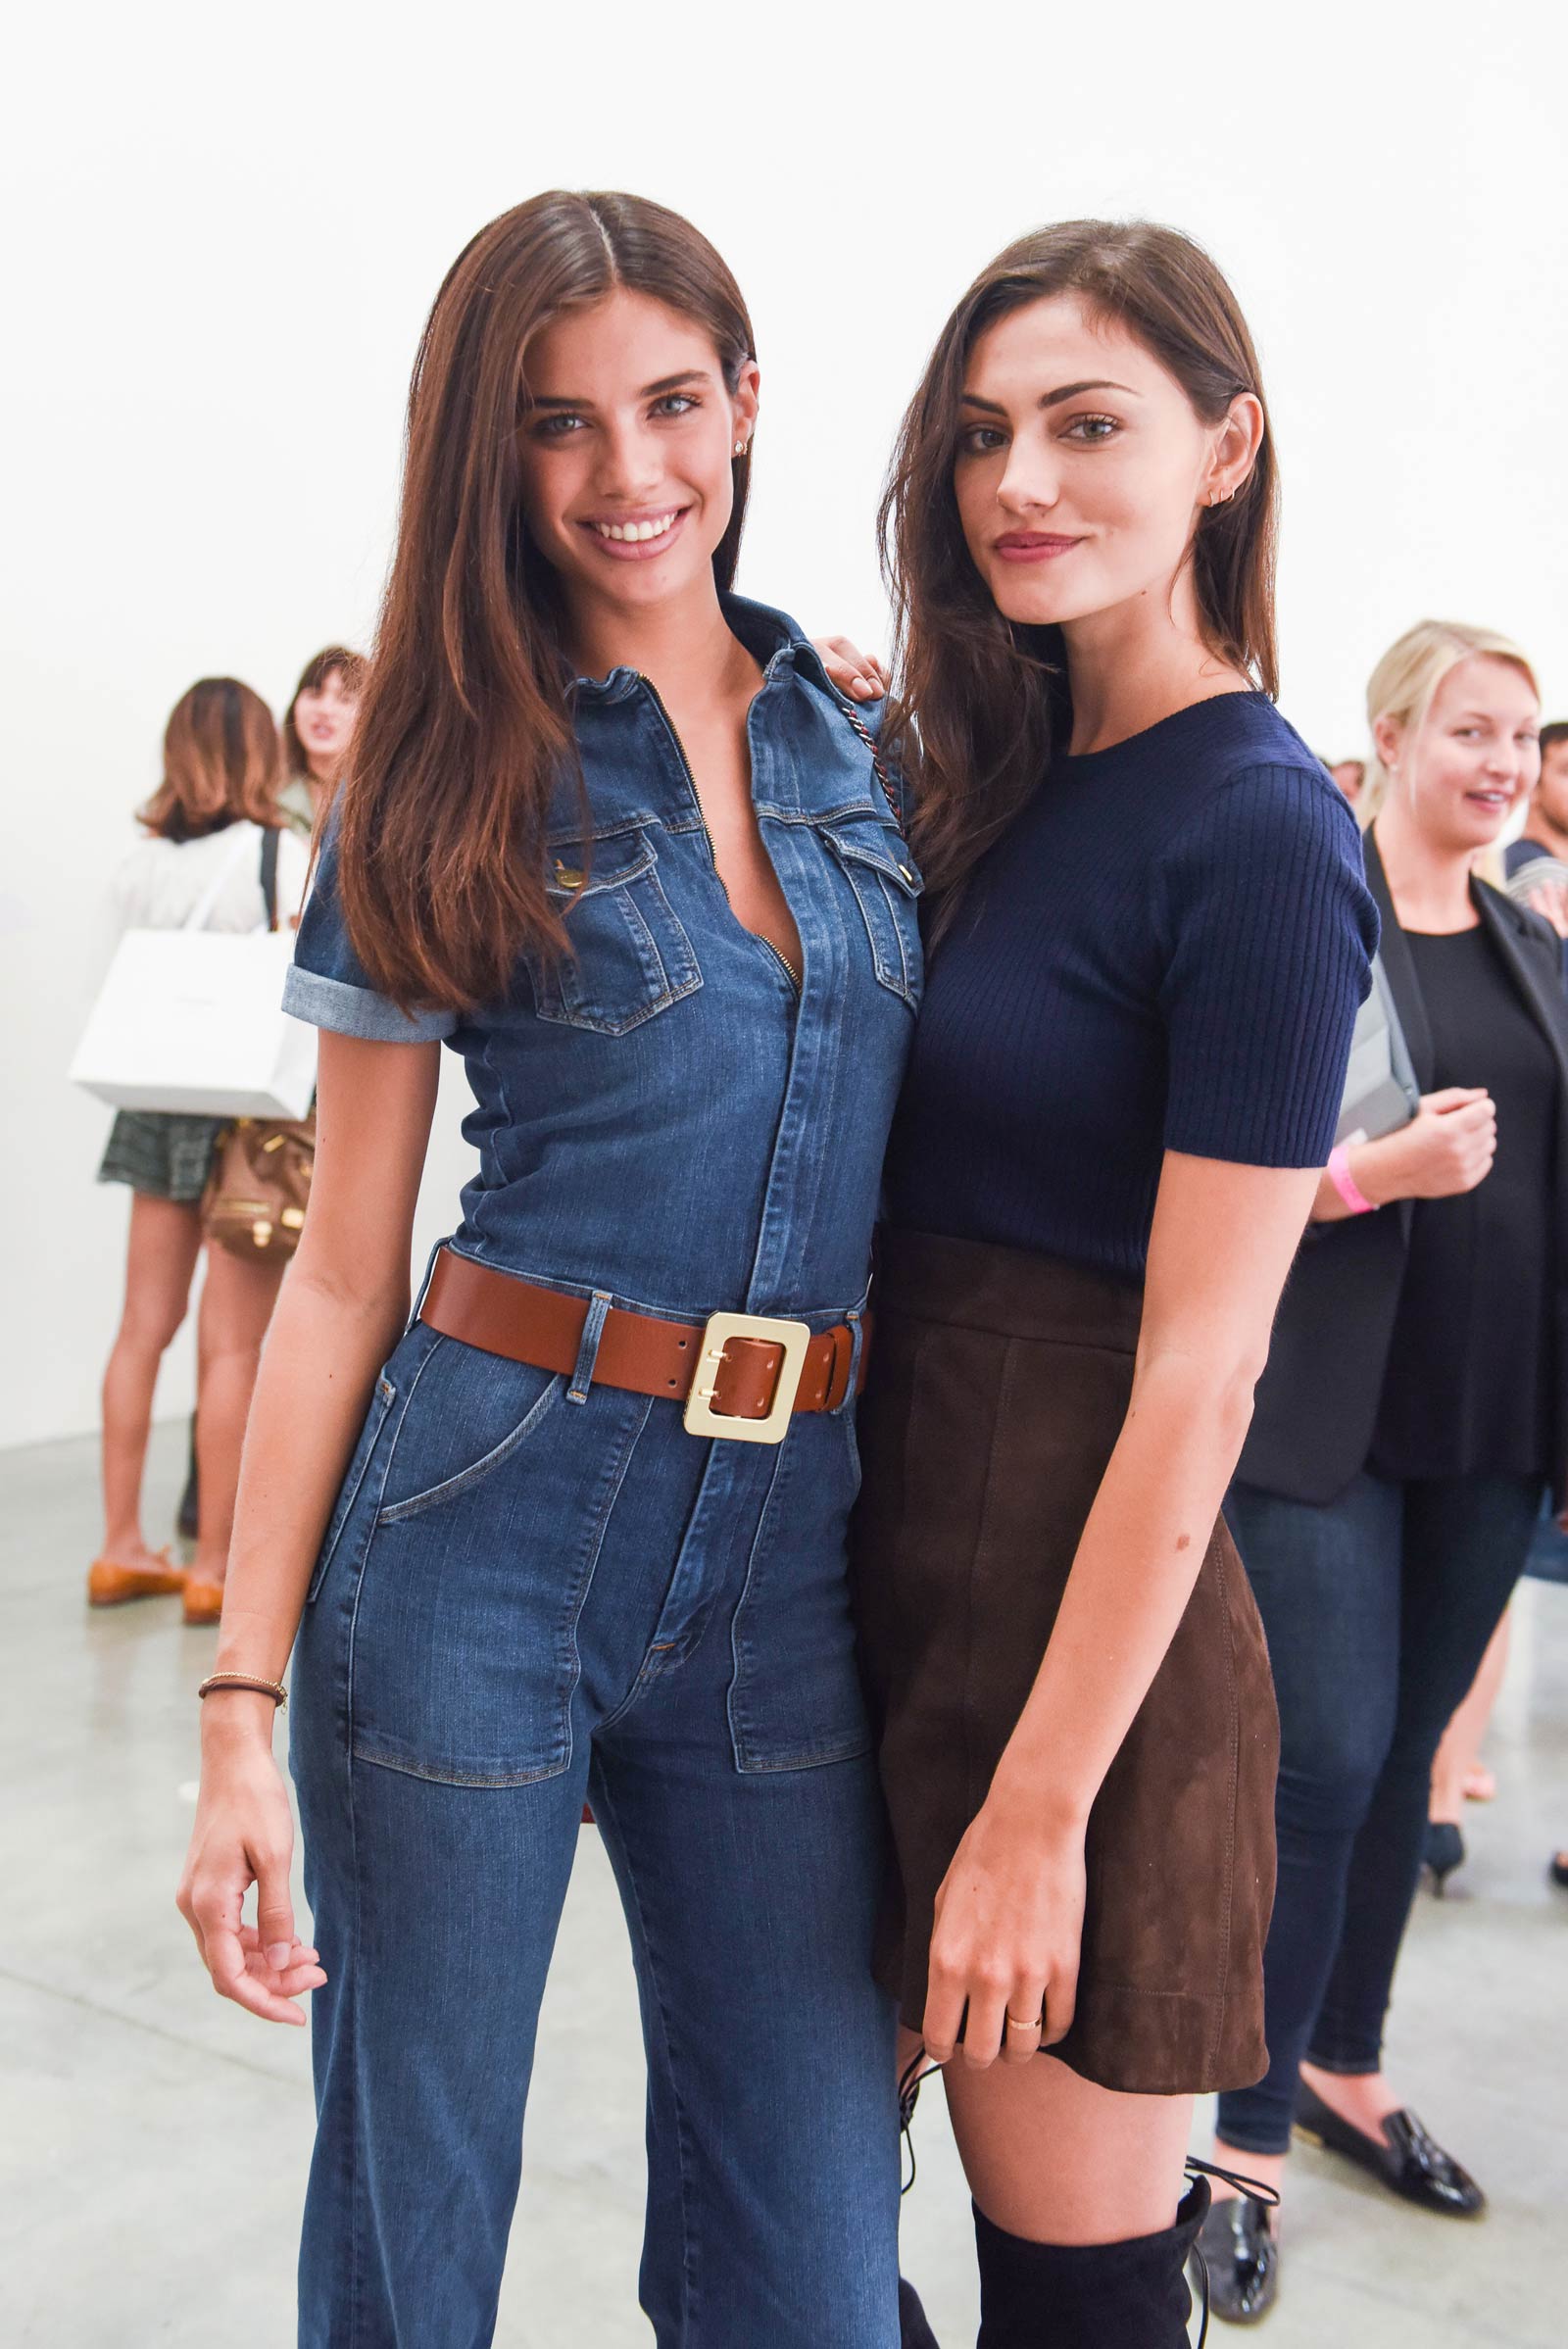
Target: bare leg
(1461,1750)
(1056,2160)
(237,1300)
(160,1260)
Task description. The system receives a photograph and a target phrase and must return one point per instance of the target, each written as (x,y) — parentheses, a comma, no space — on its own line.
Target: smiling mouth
(637,532)
(1034,546)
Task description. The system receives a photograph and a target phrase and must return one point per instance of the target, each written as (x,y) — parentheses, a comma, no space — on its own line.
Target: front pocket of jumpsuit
(630,957)
(797,1700)
(887,887)
(354,1479)
(464,1656)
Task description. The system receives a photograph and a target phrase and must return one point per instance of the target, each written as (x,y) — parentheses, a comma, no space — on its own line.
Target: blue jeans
(1378,1609)
(523,1601)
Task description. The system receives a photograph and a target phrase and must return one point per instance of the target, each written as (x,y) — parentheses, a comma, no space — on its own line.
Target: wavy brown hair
(220,762)
(983,701)
(465,732)
(333,660)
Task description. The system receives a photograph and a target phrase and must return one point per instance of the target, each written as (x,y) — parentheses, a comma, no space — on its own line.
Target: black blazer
(1317,1401)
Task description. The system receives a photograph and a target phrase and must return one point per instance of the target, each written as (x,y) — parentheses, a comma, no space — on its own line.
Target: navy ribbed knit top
(1165,950)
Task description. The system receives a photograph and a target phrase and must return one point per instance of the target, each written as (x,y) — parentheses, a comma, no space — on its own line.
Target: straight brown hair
(331,661)
(465,732)
(983,701)
(220,762)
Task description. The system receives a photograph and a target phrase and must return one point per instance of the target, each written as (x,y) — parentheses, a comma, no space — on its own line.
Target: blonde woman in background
(203,830)
(1411,1415)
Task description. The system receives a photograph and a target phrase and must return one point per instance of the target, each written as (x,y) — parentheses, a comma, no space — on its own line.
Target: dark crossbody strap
(270,874)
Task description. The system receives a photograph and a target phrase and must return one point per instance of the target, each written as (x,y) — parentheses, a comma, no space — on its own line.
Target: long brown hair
(465,731)
(331,661)
(982,699)
(220,762)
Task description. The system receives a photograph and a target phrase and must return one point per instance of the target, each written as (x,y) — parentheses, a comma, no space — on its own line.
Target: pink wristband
(1340,1175)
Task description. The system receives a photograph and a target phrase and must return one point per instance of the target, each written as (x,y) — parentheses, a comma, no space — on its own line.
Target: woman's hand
(1009,1919)
(244,1835)
(1446,1148)
(859,674)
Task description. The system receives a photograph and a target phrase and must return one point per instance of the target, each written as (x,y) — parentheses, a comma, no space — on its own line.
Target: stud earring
(740,448)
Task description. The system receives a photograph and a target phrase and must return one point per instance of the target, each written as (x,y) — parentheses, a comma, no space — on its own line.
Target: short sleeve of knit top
(1167,951)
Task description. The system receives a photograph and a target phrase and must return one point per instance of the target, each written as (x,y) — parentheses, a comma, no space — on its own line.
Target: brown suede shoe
(110,1586)
(204,1601)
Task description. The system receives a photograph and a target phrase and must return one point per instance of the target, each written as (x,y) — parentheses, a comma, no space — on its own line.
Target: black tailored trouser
(1378,1608)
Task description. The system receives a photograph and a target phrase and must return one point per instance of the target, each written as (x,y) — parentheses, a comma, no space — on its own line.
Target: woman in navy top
(1152,940)
(578,1528)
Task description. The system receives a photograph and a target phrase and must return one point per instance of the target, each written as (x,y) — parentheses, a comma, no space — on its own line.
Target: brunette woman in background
(317,728)
(1152,939)
(1411,1417)
(200,853)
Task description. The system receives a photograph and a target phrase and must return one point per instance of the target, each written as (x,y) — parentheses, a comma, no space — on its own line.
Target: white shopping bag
(191,1020)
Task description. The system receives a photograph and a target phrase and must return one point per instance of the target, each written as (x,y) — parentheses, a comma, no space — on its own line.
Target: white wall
(225,228)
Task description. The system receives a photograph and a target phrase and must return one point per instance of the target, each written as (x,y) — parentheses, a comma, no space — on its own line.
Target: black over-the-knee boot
(913,2331)
(1088,2295)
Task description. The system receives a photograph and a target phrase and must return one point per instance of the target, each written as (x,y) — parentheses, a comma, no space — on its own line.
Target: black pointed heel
(1441,1852)
(1404,2158)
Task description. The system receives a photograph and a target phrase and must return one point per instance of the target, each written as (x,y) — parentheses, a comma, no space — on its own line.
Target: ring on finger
(1014,2023)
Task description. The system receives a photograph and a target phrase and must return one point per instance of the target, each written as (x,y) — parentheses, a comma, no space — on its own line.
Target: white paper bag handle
(201,911)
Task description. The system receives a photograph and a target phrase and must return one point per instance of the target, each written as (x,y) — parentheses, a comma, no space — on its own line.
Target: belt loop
(852,1377)
(593,1329)
(424,1285)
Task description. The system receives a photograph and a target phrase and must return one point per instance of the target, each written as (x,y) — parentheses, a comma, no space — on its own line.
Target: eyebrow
(1054,399)
(649,391)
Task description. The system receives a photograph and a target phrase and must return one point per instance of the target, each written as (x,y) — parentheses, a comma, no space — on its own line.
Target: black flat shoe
(1441,1852)
(1406,2158)
(1242,2255)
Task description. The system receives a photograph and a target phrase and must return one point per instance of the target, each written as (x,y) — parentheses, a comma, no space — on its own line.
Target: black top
(1165,950)
(1319,1401)
(1469,1380)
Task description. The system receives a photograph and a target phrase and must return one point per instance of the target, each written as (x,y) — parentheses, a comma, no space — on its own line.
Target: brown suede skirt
(1000,1381)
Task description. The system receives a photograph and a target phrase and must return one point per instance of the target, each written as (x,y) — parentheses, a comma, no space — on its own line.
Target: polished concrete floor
(154,2141)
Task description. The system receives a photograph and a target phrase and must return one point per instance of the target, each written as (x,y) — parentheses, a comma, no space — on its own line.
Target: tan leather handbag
(260,1185)
(260,1188)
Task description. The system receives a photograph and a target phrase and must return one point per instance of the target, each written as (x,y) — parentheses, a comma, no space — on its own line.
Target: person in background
(201,839)
(1536,863)
(316,731)
(1350,774)
(1411,1415)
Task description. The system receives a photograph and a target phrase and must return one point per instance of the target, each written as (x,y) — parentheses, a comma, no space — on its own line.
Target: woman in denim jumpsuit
(539,1588)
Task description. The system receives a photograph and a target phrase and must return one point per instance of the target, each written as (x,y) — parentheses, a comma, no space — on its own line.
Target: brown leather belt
(739,1375)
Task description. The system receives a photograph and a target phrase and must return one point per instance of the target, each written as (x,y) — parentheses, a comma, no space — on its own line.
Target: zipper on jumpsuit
(783,960)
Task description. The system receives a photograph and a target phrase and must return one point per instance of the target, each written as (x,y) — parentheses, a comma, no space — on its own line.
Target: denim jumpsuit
(537,1589)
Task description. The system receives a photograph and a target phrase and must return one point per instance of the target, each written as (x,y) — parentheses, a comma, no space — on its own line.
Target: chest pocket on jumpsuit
(877,864)
(630,957)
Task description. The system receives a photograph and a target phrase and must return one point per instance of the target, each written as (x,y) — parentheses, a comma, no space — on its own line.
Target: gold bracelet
(245,1680)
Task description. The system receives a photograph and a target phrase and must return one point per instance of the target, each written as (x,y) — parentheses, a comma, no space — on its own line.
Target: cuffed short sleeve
(326,984)
(1270,931)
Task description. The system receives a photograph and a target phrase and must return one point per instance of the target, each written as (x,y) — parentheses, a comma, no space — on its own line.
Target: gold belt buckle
(700,1417)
